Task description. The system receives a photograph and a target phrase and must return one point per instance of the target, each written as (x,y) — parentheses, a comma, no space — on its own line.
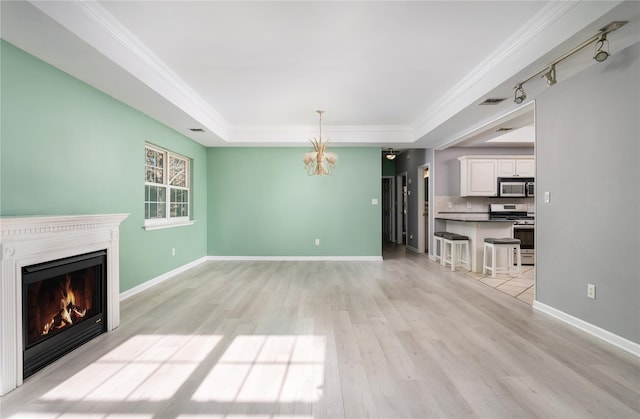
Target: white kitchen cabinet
(478,176)
(519,167)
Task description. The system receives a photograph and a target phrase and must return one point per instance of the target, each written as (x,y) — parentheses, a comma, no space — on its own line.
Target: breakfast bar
(477,227)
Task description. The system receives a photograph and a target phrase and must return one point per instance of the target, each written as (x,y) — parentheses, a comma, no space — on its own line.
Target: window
(166,188)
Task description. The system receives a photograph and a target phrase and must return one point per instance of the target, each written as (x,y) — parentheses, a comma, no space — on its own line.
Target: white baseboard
(611,338)
(155,281)
(413,249)
(299,258)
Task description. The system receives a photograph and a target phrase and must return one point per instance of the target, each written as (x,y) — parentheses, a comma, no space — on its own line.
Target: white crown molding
(98,28)
(552,25)
(301,134)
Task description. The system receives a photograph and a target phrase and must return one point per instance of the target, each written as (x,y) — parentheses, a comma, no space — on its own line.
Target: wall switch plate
(317,242)
(374,201)
(547,197)
(173,251)
(591,291)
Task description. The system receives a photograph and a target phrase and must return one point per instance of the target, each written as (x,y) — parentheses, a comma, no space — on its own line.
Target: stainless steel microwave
(531,188)
(515,187)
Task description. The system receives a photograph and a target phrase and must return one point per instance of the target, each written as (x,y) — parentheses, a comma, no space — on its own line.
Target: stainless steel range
(523,227)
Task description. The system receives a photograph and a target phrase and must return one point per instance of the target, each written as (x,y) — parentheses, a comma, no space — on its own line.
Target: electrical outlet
(450,205)
(173,251)
(547,197)
(468,205)
(317,242)
(591,291)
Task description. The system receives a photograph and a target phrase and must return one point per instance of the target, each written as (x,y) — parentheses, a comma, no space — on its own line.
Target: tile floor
(520,287)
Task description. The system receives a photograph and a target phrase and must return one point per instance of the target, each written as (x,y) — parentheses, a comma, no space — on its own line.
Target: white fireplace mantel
(35,239)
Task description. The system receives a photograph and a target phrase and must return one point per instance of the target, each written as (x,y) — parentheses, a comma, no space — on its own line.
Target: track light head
(519,95)
(602,45)
(550,75)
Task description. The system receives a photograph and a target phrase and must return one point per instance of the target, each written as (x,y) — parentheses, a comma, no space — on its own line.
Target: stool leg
(519,259)
(454,252)
(467,245)
(484,259)
(493,261)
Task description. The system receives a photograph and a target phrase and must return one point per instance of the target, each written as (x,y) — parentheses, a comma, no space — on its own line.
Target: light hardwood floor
(392,339)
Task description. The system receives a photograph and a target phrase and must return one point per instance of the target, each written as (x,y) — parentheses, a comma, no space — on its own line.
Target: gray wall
(588,158)
(447,166)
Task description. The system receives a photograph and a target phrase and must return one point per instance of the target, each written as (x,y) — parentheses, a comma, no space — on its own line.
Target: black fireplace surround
(64,305)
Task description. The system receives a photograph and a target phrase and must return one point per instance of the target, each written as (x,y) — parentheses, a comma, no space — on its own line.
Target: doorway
(423,207)
(401,205)
(388,210)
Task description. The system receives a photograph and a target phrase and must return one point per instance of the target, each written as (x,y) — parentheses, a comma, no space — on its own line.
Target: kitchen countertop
(471,217)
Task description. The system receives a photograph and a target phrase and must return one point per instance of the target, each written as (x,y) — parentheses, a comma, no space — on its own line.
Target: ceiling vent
(493,100)
(504,129)
(196,129)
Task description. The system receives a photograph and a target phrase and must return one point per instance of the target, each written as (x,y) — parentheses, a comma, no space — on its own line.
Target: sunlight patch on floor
(267,369)
(146,367)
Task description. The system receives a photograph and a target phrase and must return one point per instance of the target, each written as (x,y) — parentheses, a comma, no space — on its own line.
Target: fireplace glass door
(64,306)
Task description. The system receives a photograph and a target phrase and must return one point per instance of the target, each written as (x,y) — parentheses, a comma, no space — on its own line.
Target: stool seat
(494,245)
(439,233)
(502,240)
(455,250)
(454,236)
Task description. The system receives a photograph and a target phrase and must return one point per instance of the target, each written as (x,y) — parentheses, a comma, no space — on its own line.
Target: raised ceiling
(389,74)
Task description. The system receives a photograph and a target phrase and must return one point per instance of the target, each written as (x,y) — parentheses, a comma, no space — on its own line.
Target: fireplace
(63,306)
(49,258)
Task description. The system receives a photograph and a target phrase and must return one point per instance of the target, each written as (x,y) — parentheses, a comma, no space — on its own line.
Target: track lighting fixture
(602,45)
(549,73)
(519,95)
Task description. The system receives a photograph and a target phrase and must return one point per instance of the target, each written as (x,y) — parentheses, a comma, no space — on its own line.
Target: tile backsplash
(475,203)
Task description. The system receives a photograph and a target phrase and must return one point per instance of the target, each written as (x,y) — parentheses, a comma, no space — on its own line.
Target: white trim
(168,224)
(299,258)
(413,249)
(155,281)
(96,26)
(611,338)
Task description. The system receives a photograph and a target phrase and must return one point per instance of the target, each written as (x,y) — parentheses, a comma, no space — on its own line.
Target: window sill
(150,227)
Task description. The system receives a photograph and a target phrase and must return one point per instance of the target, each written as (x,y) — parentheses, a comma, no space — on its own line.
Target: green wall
(261,202)
(67,148)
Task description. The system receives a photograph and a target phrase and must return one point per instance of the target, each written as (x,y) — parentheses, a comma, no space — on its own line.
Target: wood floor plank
(332,339)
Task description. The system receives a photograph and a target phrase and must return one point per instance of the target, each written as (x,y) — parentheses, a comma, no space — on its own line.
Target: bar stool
(455,245)
(438,245)
(494,245)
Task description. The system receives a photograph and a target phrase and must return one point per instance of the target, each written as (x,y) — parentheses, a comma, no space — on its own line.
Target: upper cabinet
(518,167)
(479,174)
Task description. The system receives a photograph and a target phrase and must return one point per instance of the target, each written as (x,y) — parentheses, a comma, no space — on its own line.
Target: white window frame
(168,221)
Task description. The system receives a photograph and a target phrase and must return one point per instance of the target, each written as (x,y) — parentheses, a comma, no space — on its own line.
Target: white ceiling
(390,74)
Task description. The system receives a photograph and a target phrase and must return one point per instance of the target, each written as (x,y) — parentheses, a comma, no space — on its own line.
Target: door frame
(400,180)
(420,208)
(392,216)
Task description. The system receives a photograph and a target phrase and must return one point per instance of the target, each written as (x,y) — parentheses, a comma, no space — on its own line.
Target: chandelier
(319,161)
